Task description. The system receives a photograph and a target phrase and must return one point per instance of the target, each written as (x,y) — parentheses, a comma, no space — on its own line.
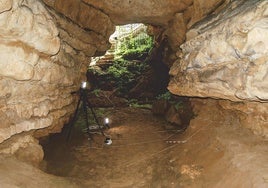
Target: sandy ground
(147,152)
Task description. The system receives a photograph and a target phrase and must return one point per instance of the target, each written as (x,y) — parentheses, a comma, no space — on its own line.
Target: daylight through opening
(133,67)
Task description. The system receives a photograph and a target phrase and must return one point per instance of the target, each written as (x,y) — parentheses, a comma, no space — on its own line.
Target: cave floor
(212,152)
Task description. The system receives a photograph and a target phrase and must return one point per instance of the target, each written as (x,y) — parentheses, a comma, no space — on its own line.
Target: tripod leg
(95,117)
(73,119)
(86,116)
(107,125)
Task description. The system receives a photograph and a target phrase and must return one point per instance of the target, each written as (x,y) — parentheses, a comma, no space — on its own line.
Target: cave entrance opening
(128,83)
(132,69)
(131,74)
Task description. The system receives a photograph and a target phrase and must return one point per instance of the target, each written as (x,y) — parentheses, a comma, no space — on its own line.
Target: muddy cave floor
(146,152)
(213,152)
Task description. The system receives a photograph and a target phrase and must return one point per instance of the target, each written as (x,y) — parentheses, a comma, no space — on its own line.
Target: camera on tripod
(83,99)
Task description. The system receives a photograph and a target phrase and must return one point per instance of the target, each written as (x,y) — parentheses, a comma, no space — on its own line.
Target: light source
(106,122)
(83,85)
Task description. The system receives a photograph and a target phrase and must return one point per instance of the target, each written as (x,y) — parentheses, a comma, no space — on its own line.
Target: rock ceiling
(100,15)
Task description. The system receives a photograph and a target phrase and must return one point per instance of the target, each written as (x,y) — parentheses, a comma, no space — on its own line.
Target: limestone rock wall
(225,57)
(84,15)
(43,59)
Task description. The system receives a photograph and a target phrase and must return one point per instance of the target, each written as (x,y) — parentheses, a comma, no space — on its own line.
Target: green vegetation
(136,47)
(135,104)
(129,64)
(178,104)
(166,96)
(124,74)
(96,92)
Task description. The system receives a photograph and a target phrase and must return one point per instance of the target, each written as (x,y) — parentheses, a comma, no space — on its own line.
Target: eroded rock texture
(225,57)
(83,27)
(44,57)
(45,48)
(132,11)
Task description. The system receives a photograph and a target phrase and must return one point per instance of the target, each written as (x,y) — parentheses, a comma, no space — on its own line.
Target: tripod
(85,105)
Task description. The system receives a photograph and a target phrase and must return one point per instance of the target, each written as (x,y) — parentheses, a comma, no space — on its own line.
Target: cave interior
(194,114)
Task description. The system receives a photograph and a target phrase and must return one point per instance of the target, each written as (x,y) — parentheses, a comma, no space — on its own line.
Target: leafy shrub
(178,104)
(166,96)
(135,48)
(118,73)
(122,74)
